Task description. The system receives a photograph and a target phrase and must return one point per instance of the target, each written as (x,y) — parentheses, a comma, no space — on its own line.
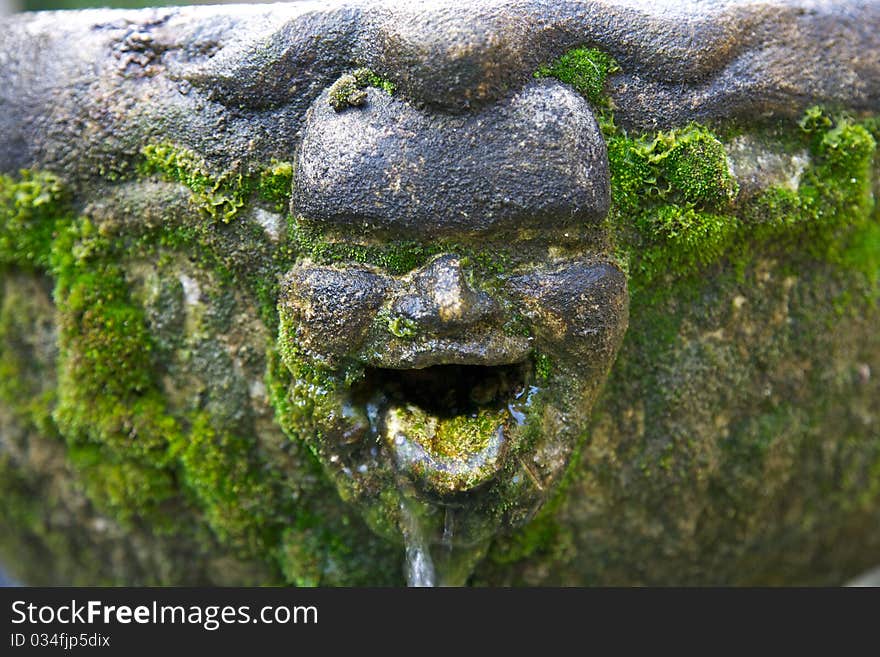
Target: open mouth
(447,426)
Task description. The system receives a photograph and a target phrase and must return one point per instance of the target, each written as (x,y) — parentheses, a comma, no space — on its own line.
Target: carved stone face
(449,334)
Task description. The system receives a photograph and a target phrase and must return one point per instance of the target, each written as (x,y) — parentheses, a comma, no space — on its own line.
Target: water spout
(419,565)
(433,556)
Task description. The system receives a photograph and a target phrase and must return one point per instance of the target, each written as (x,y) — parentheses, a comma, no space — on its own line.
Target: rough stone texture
(689,474)
(391,168)
(177,351)
(234,83)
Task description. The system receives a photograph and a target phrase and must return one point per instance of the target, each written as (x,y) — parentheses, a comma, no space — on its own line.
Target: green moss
(306,395)
(136,457)
(455,437)
(275,184)
(300,557)
(349,90)
(27,373)
(544,538)
(686,166)
(673,211)
(586,69)
(237,493)
(30,214)
(633,177)
(397,257)
(367,78)
(127,489)
(837,189)
(108,408)
(460,436)
(219,196)
(402,327)
(346,92)
(219,245)
(860,252)
(121,436)
(672,196)
(684,240)
(543,367)
(815,120)
(691,164)
(137,460)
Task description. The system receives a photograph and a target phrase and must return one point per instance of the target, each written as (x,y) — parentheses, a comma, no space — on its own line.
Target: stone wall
(660,222)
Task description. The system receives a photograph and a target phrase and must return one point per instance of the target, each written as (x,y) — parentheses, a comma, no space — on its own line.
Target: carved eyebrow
(292,61)
(681,61)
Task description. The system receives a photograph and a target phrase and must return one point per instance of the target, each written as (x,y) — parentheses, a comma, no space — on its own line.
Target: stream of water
(419,565)
(433,557)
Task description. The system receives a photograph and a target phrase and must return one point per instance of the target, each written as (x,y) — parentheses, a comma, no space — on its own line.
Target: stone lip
(447,475)
(234,82)
(535,160)
(486,348)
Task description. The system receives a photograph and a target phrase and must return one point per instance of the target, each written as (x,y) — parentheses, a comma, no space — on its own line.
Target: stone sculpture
(579,292)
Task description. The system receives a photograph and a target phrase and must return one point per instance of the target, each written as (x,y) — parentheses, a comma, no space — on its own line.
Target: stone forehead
(234,82)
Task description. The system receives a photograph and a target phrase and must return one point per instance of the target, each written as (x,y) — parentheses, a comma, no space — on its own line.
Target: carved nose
(441,301)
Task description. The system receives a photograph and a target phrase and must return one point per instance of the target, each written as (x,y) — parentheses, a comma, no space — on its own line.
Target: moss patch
(140,462)
(398,257)
(675,208)
(349,90)
(275,182)
(367,78)
(455,437)
(586,69)
(29,218)
(402,327)
(219,195)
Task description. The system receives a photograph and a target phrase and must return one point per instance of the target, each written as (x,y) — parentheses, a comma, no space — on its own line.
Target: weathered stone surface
(393,169)
(234,83)
(283,286)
